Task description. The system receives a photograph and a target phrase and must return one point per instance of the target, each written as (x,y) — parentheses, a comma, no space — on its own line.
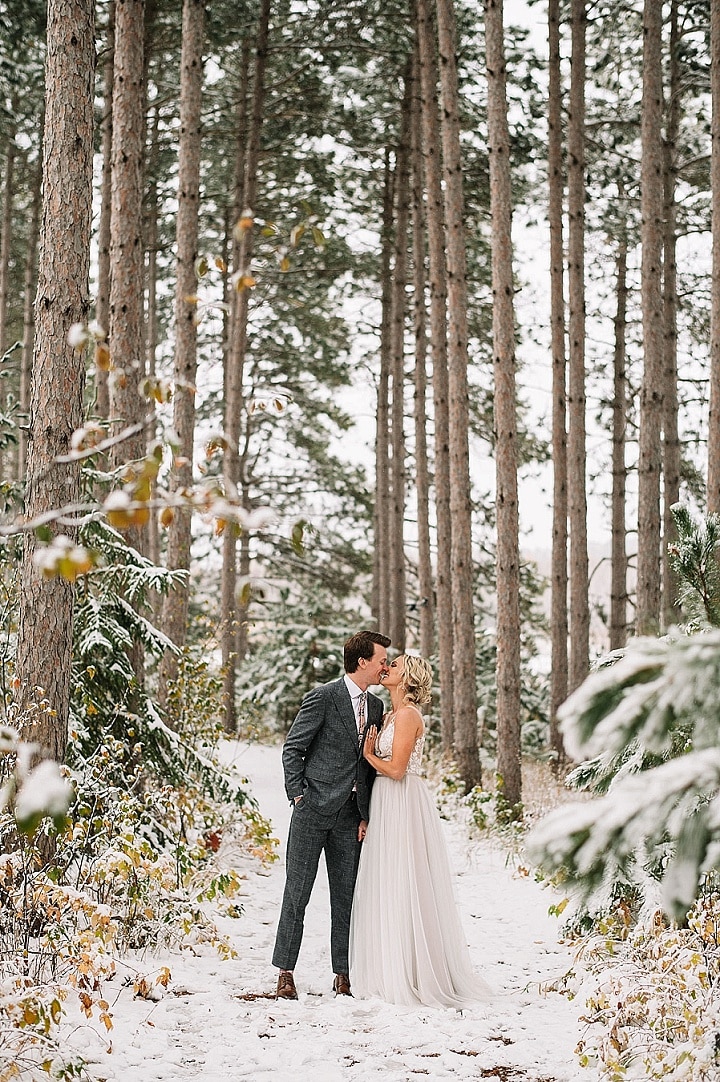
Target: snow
(218,1020)
(44,791)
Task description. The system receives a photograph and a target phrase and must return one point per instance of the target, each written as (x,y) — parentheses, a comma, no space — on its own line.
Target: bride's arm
(407,729)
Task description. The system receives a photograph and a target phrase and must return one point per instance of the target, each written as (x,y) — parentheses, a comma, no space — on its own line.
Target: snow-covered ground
(218,1019)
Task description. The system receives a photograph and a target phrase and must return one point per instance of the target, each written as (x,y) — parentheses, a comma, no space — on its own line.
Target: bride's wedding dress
(406,941)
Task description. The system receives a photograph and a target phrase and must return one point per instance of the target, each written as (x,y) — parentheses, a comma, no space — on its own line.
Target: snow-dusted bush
(652,1003)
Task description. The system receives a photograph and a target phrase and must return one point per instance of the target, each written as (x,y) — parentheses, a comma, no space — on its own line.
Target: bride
(406,941)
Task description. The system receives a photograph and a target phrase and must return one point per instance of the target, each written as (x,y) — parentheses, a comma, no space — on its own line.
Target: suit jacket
(322,757)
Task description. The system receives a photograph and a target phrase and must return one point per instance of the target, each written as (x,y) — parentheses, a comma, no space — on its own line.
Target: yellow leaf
(102,357)
(244,222)
(167,515)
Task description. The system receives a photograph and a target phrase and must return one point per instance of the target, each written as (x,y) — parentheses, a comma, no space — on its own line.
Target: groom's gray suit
(323,764)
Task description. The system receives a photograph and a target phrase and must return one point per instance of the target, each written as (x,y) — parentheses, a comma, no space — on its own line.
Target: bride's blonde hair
(416,680)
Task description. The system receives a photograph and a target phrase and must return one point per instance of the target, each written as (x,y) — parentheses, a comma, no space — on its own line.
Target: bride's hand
(370,738)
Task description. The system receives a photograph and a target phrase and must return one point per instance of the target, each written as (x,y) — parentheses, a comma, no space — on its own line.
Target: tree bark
(397,623)
(6,237)
(671,439)
(651,395)
(242,598)
(509,764)
(618,552)
(31,259)
(559,573)
(426,614)
(234,405)
(102,304)
(175,607)
(464,680)
(577,484)
(151,333)
(437,282)
(381,513)
(126,248)
(431,142)
(44,646)
(713,478)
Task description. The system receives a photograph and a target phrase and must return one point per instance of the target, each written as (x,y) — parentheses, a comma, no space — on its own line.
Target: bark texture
(437,271)
(713,478)
(618,551)
(397,625)
(577,484)
(508,555)
(175,607)
(465,739)
(44,643)
(102,303)
(234,400)
(422,473)
(559,573)
(651,394)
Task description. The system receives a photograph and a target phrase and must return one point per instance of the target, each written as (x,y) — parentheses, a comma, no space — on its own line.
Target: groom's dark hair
(362,644)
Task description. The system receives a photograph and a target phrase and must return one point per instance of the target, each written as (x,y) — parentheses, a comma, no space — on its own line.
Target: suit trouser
(309,835)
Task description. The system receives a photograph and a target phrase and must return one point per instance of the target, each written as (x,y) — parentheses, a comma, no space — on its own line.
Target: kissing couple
(353,779)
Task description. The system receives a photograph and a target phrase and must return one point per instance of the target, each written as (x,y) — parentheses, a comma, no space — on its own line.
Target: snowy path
(210,1026)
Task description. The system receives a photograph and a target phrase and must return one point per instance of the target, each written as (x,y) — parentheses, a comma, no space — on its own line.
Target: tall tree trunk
(713,481)
(31,259)
(126,249)
(464,686)
(618,557)
(234,404)
(671,439)
(242,597)
(651,396)
(397,625)
(559,574)
(175,607)
(44,645)
(151,333)
(509,764)
(381,513)
(577,493)
(102,305)
(422,473)
(431,143)
(8,196)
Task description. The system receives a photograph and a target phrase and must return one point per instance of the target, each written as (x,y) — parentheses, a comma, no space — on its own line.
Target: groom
(328,784)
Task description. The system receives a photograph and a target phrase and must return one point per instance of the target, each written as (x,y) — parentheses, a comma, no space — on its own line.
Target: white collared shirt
(355,693)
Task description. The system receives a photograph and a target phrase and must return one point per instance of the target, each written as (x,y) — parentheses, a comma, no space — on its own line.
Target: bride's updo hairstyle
(416,680)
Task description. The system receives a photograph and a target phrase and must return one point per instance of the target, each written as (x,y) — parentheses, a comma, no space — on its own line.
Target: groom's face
(375,667)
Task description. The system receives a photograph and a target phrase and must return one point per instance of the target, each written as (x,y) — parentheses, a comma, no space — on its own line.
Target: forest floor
(218,1019)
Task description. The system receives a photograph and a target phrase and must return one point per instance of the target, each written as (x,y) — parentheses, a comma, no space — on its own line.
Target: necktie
(362,699)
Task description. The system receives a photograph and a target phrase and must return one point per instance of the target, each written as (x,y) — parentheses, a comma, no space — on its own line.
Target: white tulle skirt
(406,941)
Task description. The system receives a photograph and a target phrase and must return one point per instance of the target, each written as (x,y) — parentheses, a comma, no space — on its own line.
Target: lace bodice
(384,743)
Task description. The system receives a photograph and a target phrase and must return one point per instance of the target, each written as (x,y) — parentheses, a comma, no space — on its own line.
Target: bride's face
(395,673)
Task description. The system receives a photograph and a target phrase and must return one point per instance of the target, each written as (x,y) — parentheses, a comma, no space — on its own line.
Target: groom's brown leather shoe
(286,987)
(341,985)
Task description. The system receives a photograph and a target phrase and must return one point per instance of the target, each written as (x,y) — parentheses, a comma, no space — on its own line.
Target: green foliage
(297,645)
(662,698)
(694,557)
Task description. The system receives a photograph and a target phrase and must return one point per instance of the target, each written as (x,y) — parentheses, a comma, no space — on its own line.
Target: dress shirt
(355,693)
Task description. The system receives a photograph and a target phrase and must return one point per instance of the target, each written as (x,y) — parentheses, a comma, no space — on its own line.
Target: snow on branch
(664,814)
